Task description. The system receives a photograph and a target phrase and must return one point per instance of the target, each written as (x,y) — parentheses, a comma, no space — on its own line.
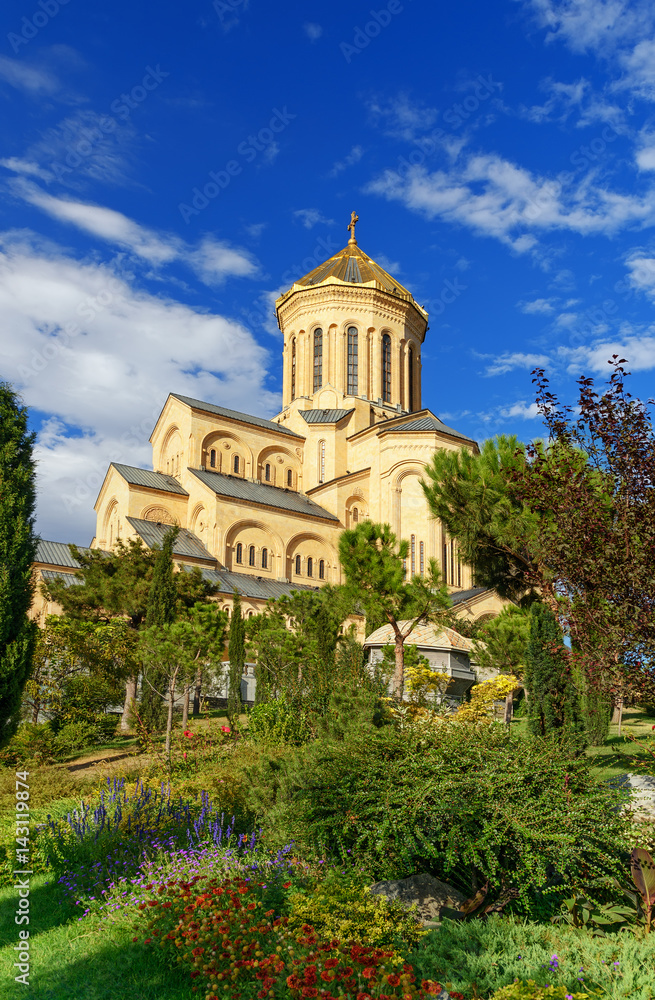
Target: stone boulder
(428,893)
(642,787)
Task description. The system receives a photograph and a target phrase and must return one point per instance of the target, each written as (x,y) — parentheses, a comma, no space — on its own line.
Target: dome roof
(351,266)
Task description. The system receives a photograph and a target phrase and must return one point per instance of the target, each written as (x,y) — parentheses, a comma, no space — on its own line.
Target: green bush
(277,723)
(340,906)
(491,954)
(530,991)
(471,804)
(75,736)
(32,742)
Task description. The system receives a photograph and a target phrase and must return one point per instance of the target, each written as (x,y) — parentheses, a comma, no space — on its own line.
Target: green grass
(85,959)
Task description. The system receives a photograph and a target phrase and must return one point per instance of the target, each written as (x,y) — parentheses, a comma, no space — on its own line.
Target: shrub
(471,803)
(530,991)
(277,723)
(32,742)
(340,906)
(74,736)
(491,954)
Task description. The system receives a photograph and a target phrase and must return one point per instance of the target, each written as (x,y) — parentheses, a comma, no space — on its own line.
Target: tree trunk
(169,720)
(399,672)
(185,706)
(509,705)
(128,705)
(617,717)
(196,693)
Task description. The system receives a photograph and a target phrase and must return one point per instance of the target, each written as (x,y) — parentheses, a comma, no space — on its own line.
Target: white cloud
(312,30)
(544,306)
(495,197)
(566,319)
(312,217)
(271,153)
(641,273)
(98,355)
(26,168)
(212,261)
(401,117)
(354,156)
(645,154)
(521,409)
(638,350)
(85,146)
(35,81)
(509,362)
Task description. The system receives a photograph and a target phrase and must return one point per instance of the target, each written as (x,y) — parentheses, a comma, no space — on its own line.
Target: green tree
(476,498)
(161,610)
(236,652)
(553,700)
(373,562)
(115,587)
(502,644)
(17,553)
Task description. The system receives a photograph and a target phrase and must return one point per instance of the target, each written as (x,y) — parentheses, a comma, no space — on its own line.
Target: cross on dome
(354,219)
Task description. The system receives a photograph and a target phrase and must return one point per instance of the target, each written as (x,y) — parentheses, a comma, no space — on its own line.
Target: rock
(642,787)
(428,893)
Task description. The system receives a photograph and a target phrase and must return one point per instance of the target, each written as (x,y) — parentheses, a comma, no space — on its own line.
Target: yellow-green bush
(530,991)
(340,906)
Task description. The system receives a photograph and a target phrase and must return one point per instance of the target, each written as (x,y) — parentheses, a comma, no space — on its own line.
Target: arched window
(236,465)
(226,609)
(386,368)
(422,558)
(264,558)
(410,378)
(298,565)
(310,566)
(413,548)
(293,368)
(318,359)
(251,555)
(289,477)
(212,458)
(321,461)
(239,552)
(267,472)
(352,361)
(321,569)
(355,515)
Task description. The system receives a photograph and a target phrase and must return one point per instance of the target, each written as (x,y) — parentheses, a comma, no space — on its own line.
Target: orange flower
(293,982)
(327,977)
(393,979)
(368,972)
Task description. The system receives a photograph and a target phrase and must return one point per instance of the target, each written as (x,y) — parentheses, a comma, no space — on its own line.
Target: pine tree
(161,610)
(553,704)
(237,655)
(17,553)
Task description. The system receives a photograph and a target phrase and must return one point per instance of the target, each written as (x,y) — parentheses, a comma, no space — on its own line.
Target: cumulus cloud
(311,217)
(97,356)
(401,117)
(637,348)
(354,156)
(509,362)
(544,306)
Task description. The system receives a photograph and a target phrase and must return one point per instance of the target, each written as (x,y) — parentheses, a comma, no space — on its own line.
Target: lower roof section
(186,544)
(254,587)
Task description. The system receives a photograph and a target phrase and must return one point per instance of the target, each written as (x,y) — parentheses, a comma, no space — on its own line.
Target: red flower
(188,734)
(293,982)
(309,991)
(331,963)
(368,972)
(393,979)
(364,996)
(327,977)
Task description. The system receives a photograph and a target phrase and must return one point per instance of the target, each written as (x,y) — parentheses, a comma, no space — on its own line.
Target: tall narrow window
(310,567)
(352,361)
(445,563)
(413,546)
(318,359)
(422,559)
(355,515)
(264,558)
(239,552)
(251,555)
(410,378)
(289,477)
(293,368)
(321,461)
(236,465)
(212,458)
(267,473)
(321,569)
(298,563)
(386,368)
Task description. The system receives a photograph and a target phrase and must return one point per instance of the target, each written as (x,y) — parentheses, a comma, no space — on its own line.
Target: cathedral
(261,503)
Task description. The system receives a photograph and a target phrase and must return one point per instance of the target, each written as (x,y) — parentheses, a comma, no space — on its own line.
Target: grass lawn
(86,959)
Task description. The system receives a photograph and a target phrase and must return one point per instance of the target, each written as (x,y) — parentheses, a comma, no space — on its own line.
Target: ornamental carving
(158,514)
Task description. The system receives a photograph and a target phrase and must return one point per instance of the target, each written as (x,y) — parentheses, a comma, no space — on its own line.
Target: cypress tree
(553,700)
(237,655)
(161,610)
(17,553)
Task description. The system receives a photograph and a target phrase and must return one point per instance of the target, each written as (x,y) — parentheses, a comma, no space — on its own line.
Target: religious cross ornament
(354,219)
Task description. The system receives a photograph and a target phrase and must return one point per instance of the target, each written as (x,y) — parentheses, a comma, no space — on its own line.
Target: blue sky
(167,170)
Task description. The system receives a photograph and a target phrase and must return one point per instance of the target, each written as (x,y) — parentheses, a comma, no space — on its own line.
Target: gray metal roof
(324,416)
(186,543)
(222,411)
(424,423)
(249,586)
(262,493)
(56,554)
(152,480)
(68,579)
(466,595)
